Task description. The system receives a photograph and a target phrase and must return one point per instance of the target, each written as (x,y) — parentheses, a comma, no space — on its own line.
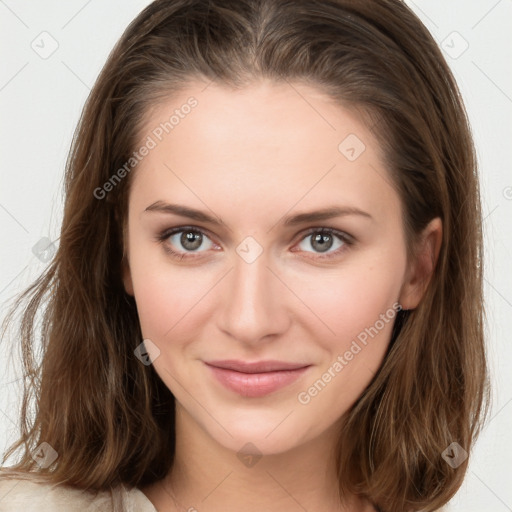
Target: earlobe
(125,264)
(127,277)
(422,268)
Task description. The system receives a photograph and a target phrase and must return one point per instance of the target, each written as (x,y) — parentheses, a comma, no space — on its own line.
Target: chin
(266,434)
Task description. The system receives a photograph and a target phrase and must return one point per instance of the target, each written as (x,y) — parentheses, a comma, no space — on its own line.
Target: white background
(40,102)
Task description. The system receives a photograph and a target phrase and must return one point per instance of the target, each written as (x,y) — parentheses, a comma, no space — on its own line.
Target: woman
(268,289)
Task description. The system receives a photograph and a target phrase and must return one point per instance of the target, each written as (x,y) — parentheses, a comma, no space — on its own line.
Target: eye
(326,241)
(186,240)
(189,242)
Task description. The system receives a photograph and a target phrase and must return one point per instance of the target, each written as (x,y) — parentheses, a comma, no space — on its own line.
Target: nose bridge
(253,306)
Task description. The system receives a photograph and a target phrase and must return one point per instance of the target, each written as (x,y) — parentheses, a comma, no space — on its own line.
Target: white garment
(21,495)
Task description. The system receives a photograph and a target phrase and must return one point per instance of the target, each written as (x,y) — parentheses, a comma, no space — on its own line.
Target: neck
(208,477)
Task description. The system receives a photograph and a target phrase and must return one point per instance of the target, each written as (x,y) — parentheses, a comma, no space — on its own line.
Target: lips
(256,367)
(256,379)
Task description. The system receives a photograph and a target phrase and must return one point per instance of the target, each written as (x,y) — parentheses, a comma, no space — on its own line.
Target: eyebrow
(291,220)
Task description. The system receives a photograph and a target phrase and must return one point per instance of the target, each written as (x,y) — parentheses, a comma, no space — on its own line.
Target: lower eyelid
(344,238)
(345,243)
(205,236)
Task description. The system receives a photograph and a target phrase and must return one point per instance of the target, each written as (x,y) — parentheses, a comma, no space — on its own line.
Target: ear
(422,267)
(127,276)
(125,264)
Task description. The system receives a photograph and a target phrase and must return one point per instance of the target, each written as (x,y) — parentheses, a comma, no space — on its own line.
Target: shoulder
(30,495)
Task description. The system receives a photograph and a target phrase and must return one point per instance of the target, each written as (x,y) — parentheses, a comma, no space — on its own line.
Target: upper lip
(255,367)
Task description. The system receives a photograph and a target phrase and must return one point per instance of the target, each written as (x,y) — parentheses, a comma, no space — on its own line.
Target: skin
(251,157)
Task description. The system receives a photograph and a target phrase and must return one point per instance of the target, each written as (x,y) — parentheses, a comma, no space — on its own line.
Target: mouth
(256,379)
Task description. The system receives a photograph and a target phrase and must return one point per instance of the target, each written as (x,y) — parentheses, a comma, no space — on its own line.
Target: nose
(254,302)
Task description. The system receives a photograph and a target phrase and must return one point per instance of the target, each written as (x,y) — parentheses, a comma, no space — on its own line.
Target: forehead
(280,142)
(283,118)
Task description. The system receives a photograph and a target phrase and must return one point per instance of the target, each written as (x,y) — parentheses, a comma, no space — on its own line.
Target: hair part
(110,418)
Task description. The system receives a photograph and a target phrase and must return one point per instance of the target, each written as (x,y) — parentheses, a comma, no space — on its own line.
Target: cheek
(168,298)
(350,299)
(361,313)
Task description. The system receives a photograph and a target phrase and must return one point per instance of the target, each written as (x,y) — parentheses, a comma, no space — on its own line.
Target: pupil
(191,241)
(324,241)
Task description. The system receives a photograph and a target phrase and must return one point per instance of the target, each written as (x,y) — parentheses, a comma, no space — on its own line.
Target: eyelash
(347,240)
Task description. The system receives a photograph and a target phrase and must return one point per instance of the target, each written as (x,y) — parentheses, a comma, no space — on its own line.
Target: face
(244,272)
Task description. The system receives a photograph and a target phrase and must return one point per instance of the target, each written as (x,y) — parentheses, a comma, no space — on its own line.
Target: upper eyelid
(166,233)
(346,238)
(342,235)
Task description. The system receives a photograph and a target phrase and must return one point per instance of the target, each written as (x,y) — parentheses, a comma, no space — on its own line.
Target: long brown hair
(111,418)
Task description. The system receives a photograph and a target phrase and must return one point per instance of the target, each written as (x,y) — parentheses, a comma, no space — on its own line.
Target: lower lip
(256,384)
